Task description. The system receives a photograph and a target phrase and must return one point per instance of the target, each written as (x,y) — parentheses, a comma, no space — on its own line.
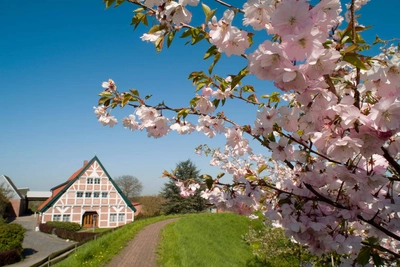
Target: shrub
(45,228)
(81,236)
(70,226)
(9,257)
(11,237)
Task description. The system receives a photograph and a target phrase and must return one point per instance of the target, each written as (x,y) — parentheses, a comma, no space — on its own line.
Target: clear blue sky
(54,55)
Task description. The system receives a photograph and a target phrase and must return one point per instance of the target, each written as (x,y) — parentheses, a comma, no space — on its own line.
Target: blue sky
(54,56)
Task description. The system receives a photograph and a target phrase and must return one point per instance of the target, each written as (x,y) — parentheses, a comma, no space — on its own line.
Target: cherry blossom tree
(330,172)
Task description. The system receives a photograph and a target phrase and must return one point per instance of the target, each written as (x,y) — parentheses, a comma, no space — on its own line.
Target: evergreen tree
(175,203)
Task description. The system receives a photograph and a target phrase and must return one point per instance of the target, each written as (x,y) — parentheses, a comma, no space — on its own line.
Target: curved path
(37,245)
(141,251)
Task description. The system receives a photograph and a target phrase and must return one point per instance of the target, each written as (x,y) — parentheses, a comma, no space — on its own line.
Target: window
(89,180)
(97,180)
(56,218)
(121,217)
(88,194)
(66,217)
(96,194)
(79,194)
(113,217)
(104,194)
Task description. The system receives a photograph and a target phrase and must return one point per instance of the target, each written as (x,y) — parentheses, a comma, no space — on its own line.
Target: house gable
(93,169)
(6,182)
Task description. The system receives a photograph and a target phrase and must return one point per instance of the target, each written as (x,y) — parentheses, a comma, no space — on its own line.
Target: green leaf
(183,113)
(119,2)
(147,97)
(206,10)
(159,43)
(275,97)
(248,88)
(155,28)
(264,96)
(209,183)
(206,177)
(377,259)
(216,102)
(140,9)
(284,201)
(350,48)
(108,3)
(262,168)
(103,99)
(105,93)
(377,40)
(197,39)
(364,255)
(171,36)
(211,51)
(217,57)
(186,33)
(252,98)
(135,92)
(193,102)
(220,175)
(355,61)
(144,20)
(126,98)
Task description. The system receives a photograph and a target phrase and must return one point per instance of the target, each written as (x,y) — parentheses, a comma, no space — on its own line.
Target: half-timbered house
(89,197)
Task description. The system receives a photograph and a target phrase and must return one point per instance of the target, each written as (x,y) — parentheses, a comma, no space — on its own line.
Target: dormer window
(89,180)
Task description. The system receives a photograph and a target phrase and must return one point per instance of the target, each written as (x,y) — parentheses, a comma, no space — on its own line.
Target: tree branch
(230,6)
(379,227)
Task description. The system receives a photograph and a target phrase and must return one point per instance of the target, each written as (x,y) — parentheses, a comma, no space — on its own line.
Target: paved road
(141,251)
(37,245)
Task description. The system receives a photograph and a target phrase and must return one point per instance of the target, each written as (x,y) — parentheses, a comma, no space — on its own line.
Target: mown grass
(206,240)
(102,250)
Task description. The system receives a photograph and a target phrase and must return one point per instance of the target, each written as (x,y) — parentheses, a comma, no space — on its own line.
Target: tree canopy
(129,185)
(176,203)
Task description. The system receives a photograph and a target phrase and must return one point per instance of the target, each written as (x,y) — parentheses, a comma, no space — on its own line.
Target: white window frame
(121,217)
(79,194)
(88,194)
(89,180)
(96,180)
(66,218)
(113,217)
(56,217)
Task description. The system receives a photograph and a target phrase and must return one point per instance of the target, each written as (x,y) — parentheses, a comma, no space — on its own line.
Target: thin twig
(230,6)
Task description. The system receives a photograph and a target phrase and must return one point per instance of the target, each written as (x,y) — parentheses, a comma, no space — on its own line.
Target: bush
(70,226)
(9,257)
(11,237)
(45,228)
(82,236)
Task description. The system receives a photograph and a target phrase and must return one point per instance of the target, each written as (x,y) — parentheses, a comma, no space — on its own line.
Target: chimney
(85,162)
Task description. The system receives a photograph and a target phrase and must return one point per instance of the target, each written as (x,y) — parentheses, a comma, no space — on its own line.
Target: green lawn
(206,240)
(102,250)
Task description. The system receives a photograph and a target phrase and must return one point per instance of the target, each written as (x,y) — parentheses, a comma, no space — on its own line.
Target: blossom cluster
(332,178)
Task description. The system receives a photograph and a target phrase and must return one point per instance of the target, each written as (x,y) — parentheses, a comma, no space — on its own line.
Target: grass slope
(102,250)
(206,240)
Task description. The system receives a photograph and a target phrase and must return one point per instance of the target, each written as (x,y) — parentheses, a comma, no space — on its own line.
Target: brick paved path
(141,251)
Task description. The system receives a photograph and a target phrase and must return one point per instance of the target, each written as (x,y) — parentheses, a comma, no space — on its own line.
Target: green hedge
(11,237)
(69,226)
